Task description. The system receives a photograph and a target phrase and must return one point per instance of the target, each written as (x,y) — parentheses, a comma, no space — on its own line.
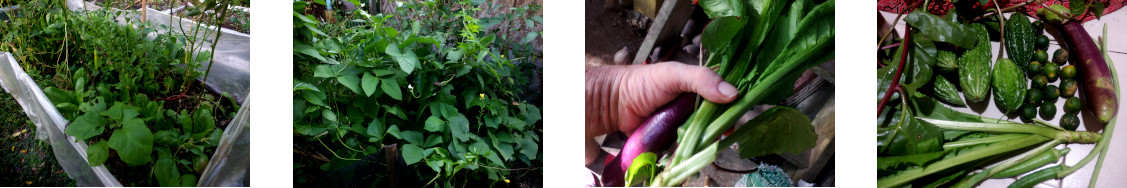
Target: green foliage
(778,130)
(454,97)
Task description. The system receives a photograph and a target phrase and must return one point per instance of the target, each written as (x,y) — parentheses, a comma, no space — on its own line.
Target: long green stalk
(903,177)
(1009,127)
(987,140)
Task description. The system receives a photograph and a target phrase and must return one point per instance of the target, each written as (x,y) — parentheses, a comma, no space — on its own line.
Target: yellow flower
(506,180)
(482,95)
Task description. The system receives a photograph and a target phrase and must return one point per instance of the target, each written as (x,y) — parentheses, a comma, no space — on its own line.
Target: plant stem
(896,77)
(678,173)
(906,176)
(1007,9)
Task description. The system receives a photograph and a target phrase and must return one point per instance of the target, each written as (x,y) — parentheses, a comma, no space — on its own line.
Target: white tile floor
(1112,173)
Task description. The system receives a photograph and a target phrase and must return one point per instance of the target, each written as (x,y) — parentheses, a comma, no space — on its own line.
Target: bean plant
(126,89)
(442,92)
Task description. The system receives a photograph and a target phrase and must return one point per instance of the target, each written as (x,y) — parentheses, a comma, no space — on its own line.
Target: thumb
(700,80)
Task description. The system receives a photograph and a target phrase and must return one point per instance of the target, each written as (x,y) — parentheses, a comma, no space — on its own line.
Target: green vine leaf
(98,153)
(412,154)
(133,143)
(459,127)
(166,172)
(434,124)
(86,126)
(351,82)
(369,84)
(406,59)
(391,88)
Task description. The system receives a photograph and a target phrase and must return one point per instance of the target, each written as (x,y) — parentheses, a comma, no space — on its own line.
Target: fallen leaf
(27,182)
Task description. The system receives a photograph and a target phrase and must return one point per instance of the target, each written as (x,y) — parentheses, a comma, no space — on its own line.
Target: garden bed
(164,122)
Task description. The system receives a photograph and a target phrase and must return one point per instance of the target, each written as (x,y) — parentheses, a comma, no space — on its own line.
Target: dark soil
(610,29)
(26,160)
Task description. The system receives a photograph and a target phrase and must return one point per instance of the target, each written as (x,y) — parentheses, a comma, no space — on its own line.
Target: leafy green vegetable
(943,30)
(133,143)
(778,130)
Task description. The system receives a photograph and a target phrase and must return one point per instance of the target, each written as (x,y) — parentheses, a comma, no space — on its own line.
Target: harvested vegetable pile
(762,48)
(922,140)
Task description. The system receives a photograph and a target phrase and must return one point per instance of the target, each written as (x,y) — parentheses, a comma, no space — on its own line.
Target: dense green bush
(458,109)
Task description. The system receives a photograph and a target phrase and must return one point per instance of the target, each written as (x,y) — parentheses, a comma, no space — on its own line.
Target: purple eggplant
(655,134)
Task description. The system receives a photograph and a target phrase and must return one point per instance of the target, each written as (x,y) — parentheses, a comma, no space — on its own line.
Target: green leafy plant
(441,92)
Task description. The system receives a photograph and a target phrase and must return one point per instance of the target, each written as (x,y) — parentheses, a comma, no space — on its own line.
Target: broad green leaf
(942,30)
(529,37)
(323,71)
(514,122)
(317,98)
(406,59)
(133,143)
(529,148)
(778,130)
(434,124)
(369,84)
(188,180)
(896,162)
(166,172)
(919,69)
(505,149)
(1077,7)
(86,126)
(433,140)
(455,55)
(465,69)
(720,33)
(303,48)
(391,88)
(98,153)
(351,82)
(909,136)
(203,121)
(120,112)
(723,8)
(329,115)
(412,154)
(375,129)
(412,137)
(642,170)
(459,127)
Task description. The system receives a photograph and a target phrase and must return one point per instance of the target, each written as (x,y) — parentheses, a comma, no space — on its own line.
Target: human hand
(620,97)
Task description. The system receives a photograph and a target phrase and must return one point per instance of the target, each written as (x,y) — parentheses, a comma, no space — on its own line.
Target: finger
(701,80)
